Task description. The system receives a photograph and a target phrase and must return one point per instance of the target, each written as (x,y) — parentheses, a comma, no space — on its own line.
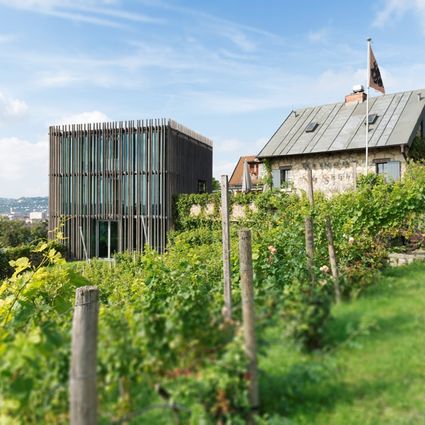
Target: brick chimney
(358,95)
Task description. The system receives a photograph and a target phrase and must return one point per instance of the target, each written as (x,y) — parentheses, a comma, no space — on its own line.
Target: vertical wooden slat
(93,169)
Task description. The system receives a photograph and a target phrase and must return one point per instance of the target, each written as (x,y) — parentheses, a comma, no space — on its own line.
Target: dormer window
(311,127)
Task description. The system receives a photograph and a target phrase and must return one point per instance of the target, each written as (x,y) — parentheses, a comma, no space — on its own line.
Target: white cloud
(224,103)
(74,76)
(223,167)
(119,14)
(59,79)
(319,36)
(23,168)
(11,108)
(7,38)
(92,12)
(83,118)
(228,146)
(260,143)
(216,23)
(394,9)
(238,37)
(228,151)
(401,78)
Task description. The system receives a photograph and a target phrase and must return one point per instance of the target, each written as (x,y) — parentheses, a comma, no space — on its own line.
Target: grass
(373,371)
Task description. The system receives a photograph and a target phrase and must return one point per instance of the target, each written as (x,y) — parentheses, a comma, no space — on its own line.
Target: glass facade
(111,172)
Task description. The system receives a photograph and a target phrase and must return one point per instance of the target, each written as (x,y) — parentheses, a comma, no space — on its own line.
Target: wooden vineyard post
(227,311)
(82,382)
(248,315)
(308,226)
(332,259)
(354,165)
(309,245)
(310,189)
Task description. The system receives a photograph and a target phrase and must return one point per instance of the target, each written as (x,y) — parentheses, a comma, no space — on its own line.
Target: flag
(375,79)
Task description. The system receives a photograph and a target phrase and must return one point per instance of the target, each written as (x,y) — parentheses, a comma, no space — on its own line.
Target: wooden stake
(354,165)
(248,314)
(227,310)
(82,383)
(332,259)
(310,190)
(309,245)
(308,226)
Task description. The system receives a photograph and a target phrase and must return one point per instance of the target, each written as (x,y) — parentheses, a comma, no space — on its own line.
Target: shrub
(306,310)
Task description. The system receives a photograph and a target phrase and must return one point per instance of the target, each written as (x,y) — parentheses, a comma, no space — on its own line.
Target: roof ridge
(343,102)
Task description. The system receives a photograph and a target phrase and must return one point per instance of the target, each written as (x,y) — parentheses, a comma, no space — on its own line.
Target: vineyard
(166,355)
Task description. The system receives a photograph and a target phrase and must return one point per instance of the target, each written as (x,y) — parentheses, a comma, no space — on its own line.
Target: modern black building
(113,184)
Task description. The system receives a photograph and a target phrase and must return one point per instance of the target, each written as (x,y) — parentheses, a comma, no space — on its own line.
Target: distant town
(32,209)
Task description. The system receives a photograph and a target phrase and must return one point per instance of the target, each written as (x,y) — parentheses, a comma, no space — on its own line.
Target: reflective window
(202,186)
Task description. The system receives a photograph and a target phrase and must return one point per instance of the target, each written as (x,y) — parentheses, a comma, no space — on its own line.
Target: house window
(281,177)
(202,186)
(391,170)
(284,175)
(253,169)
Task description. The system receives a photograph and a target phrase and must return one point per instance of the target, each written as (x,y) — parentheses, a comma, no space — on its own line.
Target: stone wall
(237,211)
(400,259)
(336,171)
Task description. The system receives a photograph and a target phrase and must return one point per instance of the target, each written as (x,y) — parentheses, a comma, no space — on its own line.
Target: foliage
(417,149)
(268,179)
(182,206)
(8,255)
(160,320)
(161,323)
(35,316)
(219,388)
(215,184)
(14,233)
(306,310)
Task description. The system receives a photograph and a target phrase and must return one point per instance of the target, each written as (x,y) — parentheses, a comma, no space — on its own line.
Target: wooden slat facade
(126,173)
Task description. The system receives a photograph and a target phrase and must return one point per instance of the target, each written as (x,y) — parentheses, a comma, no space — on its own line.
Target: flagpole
(367,105)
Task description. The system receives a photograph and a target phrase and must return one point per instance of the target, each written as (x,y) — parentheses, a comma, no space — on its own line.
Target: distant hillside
(23,205)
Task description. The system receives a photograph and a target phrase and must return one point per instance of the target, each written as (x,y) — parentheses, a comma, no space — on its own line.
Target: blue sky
(231,70)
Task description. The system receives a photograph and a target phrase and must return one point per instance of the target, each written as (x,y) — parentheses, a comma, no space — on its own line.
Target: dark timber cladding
(112,184)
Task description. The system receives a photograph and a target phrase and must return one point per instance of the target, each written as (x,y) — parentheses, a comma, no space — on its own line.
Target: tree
(215,184)
(14,233)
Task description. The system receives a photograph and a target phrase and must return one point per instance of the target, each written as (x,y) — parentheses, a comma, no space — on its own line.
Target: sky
(230,70)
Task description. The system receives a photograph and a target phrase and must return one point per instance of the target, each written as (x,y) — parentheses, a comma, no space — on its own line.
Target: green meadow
(372,372)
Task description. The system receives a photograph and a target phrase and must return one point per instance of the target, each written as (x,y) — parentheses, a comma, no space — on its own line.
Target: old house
(113,184)
(255,168)
(331,140)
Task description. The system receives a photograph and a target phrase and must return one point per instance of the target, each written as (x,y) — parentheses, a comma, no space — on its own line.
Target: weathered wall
(334,172)
(236,212)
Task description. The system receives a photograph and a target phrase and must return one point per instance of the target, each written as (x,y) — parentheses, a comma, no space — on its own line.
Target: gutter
(403,151)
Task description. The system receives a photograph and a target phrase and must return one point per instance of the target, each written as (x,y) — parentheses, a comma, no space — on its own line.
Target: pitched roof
(236,178)
(341,126)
